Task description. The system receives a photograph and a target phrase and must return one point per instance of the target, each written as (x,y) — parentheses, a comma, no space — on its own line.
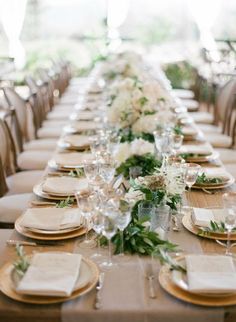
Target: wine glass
(192,171)
(107,169)
(109,230)
(85,205)
(177,141)
(97,224)
(122,221)
(229,201)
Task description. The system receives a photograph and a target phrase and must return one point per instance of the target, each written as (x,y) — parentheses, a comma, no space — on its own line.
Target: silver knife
(98,299)
(13,242)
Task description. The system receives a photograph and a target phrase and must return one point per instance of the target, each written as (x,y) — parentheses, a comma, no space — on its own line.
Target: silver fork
(151,279)
(98,299)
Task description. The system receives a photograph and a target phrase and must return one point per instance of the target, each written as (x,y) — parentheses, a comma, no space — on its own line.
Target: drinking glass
(229,201)
(108,230)
(177,141)
(85,205)
(145,210)
(114,141)
(122,221)
(160,220)
(107,169)
(97,224)
(192,171)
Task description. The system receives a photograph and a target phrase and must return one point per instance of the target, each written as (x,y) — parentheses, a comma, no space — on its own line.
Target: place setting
(199,153)
(201,279)
(74,142)
(68,161)
(48,278)
(214,223)
(59,187)
(82,126)
(51,223)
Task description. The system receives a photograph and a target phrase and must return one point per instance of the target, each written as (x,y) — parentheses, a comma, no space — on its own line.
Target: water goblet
(177,141)
(109,230)
(86,207)
(229,201)
(97,224)
(107,169)
(192,171)
(160,220)
(122,221)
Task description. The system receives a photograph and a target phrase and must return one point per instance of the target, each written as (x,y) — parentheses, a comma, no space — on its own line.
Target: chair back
(7,148)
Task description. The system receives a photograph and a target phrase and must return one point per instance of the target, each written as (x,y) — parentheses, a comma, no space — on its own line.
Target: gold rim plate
(7,287)
(188,224)
(166,283)
(213,186)
(41,236)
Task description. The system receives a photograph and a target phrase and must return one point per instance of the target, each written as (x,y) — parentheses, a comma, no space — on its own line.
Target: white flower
(132,196)
(146,124)
(140,147)
(123,152)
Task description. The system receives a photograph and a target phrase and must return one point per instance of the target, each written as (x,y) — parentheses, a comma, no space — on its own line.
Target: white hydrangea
(123,152)
(146,124)
(140,147)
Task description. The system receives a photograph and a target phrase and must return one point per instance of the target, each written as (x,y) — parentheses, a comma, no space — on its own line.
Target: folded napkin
(84,115)
(211,273)
(51,274)
(51,218)
(219,173)
(202,217)
(189,130)
(65,185)
(81,126)
(77,140)
(202,149)
(72,159)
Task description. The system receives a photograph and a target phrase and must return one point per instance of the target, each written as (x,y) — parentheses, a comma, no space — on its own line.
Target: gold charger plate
(7,287)
(203,158)
(187,223)
(68,146)
(38,191)
(213,186)
(166,283)
(64,235)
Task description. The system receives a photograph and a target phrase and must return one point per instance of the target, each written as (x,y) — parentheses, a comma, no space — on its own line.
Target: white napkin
(211,273)
(220,173)
(72,159)
(51,218)
(189,130)
(84,115)
(77,140)
(51,274)
(203,149)
(202,217)
(65,186)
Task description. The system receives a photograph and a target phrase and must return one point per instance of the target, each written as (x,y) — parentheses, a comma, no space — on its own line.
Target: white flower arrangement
(136,147)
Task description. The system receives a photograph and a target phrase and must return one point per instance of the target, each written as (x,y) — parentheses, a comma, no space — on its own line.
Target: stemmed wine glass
(97,224)
(107,169)
(108,230)
(229,201)
(86,207)
(177,141)
(122,221)
(192,171)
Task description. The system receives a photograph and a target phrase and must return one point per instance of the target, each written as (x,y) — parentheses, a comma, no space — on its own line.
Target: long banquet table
(125,294)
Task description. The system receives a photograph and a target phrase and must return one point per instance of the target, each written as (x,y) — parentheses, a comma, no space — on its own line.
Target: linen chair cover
(20,182)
